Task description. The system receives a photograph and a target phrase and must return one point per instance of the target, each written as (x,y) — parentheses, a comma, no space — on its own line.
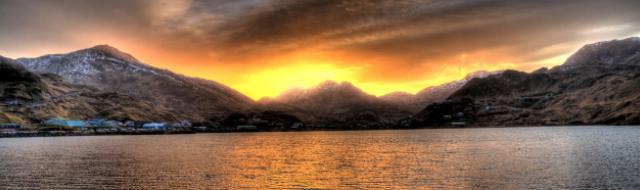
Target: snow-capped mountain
(108,69)
(85,65)
(27,98)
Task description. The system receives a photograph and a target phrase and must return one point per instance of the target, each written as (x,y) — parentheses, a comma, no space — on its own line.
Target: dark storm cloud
(517,26)
(409,30)
(423,29)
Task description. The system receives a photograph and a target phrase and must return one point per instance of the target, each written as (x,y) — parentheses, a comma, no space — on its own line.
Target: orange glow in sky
(299,72)
(283,73)
(263,48)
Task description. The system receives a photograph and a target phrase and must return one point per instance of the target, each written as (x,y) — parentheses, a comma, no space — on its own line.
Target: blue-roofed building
(9,127)
(155,126)
(67,123)
(98,122)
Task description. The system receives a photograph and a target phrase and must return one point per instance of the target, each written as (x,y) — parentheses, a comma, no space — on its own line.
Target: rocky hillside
(599,84)
(26,97)
(433,94)
(337,105)
(110,70)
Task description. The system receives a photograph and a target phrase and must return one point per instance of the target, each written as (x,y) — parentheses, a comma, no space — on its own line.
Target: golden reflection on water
(413,159)
(323,160)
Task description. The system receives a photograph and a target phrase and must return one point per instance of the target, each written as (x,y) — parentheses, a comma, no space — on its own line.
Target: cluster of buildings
(99,123)
(9,127)
(62,127)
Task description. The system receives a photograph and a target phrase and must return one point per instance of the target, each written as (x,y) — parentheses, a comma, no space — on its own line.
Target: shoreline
(71,134)
(29,134)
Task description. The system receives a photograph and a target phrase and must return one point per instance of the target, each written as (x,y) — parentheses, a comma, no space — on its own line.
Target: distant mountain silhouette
(432,94)
(337,105)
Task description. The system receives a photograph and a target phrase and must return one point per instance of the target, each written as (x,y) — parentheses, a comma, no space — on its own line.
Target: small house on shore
(181,124)
(155,126)
(9,127)
(296,125)
(66,123)
(129,124)
(246,128)
(103,123)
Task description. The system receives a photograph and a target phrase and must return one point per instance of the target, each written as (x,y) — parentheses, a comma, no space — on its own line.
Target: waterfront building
(9,127)
(99,122)
(155,126)
(67,123)
(247,128)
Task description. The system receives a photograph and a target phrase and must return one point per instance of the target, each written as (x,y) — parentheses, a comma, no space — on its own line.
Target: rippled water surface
(492,158)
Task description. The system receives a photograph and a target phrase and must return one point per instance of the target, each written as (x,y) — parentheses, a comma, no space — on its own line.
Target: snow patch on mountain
(86,64)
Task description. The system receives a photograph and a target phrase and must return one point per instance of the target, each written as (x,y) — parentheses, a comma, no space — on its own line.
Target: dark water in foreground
(495,158)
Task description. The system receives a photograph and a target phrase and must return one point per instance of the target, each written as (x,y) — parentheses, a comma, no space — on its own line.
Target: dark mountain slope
(110,70)
(27,97)
(599,84)
(433,94)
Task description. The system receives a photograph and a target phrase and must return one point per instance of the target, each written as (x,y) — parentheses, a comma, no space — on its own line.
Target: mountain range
(433,94)
(597,85)
(337,105)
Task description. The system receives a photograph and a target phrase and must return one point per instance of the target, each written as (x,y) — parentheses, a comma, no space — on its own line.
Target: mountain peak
(397,96)
(327,83)
(397,93)
(327,88)
(109,51)
(333,87)
(84,66)
(106,47)
(333,84)
(625,51)
(480,74)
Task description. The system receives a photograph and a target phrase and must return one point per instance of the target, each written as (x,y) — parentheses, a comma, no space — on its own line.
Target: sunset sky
(263,48)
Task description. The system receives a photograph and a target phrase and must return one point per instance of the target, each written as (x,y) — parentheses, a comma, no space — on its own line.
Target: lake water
(488,158)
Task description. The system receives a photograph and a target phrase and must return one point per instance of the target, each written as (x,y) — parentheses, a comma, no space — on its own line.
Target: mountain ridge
(106,68)
(332,104)
(596,85)
(432,94)
(30,98)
